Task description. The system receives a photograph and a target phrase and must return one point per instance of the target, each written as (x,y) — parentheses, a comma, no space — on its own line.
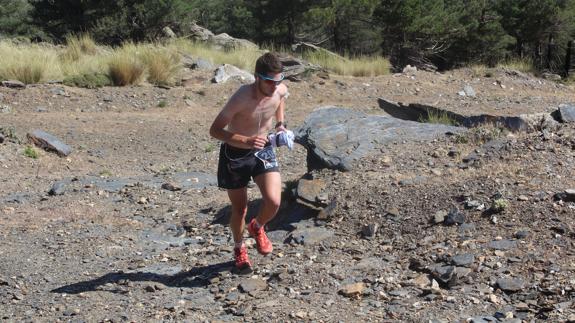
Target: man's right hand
(257,142)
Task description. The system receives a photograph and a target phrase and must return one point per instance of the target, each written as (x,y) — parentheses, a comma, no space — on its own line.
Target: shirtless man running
(243,125)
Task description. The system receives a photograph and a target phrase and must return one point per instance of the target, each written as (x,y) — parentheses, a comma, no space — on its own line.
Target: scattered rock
(566,113)
(463,260)
(369,230)
(13,84)
(352,290)
(454,217)
(510,285)
(502,244)
(252,285)
(171,187)
(227,71)
(49,142)
(58,188)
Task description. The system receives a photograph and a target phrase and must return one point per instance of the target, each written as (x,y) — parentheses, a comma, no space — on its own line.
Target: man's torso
(255,116)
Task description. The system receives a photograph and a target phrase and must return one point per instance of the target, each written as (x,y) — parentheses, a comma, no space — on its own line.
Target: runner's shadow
(196,277)
(291,212)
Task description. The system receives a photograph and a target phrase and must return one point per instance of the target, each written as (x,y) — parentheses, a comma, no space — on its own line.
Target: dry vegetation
(130,64)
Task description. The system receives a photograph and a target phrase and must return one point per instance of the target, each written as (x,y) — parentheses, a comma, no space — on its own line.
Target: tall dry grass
(356,66)
(242,58)
(78,46)
(131,64)
(125,66)
(524,65)
(28,63)
(163,64)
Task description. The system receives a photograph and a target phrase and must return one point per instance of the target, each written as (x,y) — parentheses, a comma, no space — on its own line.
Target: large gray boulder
(227,71)
(295,69)
(337,138)
(221,41)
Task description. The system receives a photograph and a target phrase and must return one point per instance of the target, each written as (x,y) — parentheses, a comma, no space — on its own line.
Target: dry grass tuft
(28,63)
(242,58)
(357,66)
(125,66)
(524,65)
(162,64)
(78,46)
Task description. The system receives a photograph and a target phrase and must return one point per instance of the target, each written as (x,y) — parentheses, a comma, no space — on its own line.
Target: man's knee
(273,201)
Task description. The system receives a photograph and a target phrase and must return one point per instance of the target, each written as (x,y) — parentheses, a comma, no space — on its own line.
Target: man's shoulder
(282,90)
(241,93)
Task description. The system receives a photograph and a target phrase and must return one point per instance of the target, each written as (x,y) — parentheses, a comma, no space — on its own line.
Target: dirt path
(143,253)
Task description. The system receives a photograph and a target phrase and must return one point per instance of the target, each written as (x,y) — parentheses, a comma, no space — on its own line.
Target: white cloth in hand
(282,138)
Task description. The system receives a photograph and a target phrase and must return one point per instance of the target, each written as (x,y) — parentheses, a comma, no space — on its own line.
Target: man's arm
(280,112)
(218,131)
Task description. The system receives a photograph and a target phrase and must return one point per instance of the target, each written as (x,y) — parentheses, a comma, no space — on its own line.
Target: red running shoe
(241,259)
(263,244)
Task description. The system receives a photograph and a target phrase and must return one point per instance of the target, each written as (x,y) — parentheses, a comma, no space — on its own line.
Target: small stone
(510,284)
(494,299)
(57,189)
(369,230)
(440,216)
(522,234)
(464,260)
(454,217)
(502,244)
(251,285)
(171,187)
(522,198)
(14,84)
(352,290)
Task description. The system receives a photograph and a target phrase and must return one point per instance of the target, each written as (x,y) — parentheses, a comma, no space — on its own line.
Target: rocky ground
(476,226)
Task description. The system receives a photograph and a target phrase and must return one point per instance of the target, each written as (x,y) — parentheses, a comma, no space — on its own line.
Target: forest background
(442,33)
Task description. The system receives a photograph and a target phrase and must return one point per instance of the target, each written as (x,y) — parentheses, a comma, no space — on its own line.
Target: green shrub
(31,152)
(438,117)
(499,205)
(89,81)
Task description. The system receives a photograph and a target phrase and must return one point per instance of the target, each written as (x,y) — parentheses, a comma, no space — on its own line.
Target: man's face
(267,83)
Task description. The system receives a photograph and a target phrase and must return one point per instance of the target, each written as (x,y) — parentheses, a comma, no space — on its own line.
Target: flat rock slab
(510,284)
(252,285)
(567,112)
(186,180)
(338,138)
(310,236)
(49,142)
(310,189)
(502,244)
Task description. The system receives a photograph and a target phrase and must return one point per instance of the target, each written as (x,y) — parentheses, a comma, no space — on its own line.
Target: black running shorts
(236,166)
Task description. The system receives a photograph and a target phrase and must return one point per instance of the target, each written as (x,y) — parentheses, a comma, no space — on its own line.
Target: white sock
(257,224)
(239,244)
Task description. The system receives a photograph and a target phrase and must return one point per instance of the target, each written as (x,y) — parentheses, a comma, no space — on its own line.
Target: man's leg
(270,185)
(239,199)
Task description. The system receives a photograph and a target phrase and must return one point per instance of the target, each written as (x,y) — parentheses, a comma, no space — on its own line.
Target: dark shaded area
(196,277)
(291,212)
